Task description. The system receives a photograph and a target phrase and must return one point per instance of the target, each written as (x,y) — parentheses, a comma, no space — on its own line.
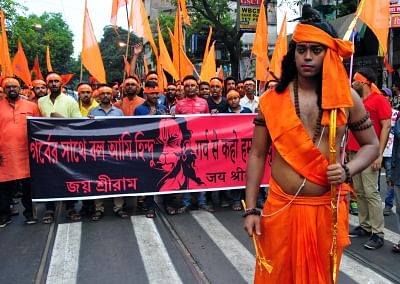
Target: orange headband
(148,90)
(189,82)
(216,82)
(335,93)
(10,81)
(131,80)
(104,89)
(359,77)
(53,76)
(84,88)
(231,94)
(37,83)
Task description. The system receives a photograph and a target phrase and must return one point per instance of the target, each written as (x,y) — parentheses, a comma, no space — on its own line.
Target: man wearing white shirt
(250,100)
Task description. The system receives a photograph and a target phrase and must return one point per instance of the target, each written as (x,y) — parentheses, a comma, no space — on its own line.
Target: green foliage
(36,32)
(10,9)
(113,53)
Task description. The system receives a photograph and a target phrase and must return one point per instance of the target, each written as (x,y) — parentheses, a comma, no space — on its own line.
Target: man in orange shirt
(131,100)
(295,233)
(14,161)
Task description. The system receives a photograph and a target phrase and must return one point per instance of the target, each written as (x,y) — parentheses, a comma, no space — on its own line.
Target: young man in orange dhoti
(294,233)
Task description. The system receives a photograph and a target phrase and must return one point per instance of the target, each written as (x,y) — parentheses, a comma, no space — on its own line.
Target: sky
(72,12)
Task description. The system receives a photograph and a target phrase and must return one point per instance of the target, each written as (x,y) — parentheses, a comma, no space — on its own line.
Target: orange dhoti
(297,241)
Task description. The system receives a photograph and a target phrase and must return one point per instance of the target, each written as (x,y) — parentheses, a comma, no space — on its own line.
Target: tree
(36,32)
(10,9)
(113,51)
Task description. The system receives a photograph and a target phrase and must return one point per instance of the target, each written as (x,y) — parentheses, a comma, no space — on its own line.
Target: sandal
(121,214)
(170,210)
(48,218)
(151,213)
(96,216)
(236,207)
(73,216)
(396,248)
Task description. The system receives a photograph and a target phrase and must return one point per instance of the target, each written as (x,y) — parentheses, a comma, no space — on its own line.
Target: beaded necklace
(318,127)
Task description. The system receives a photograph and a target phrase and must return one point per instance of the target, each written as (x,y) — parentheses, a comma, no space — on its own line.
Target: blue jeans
(187,198)
(389,196)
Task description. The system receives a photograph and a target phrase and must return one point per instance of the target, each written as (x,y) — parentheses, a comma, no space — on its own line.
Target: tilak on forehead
(84,88)
(336,92)
(53,76)
(9,82)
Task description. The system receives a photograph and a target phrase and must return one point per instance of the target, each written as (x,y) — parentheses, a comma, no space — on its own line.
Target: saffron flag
(260,45)
(136,21)
(65,78)
(48,60)
(206,49)
(186,66)
(375,14)
(5,59)
(36,69)
(163,58)
(91,55)
(162,79)
(281,47)
(178,31)
(208,67)
(20,66)
(182,6)
(116,4)
(220,73)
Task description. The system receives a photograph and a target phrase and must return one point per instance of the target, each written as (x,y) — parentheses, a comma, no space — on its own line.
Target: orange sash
(291,139)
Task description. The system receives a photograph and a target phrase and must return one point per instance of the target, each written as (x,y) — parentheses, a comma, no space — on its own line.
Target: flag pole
(128,38)
(81,74)
(180,27)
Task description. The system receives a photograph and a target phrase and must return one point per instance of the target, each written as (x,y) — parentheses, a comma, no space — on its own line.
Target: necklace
(297,107)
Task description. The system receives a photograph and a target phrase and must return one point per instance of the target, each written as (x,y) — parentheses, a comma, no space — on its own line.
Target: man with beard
(131,100)
(369,202)
(86,102)
(170,97)
(216,102)
(105,108)
(204,90)
(39,89)
(192,104)
(57,104)
(14,159)
(229,84)
(240,88)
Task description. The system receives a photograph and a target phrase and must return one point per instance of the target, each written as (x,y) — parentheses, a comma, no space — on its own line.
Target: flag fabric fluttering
(183,8)
(220,73)
(36,69)
(163,58)
(116,4)
(5,59)
(20,66)
(260,45)
(208,67)
(48,60)
(136,21)
(91,55)
(207,47)
(281,47)
(186,66)
(65,78)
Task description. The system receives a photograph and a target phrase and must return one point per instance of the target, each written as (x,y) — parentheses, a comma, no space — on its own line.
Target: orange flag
(375,14)
(260,45)
(220,73)
(208,67)
(186,66)
(148,34)
(36,69)
(182,6)
(163,58)
(20,66)
(48,60)
(162,79)
(127,66)
(5,60)
(206,49)
(91,55)
(178,31)
(281,47)
(116,4)
(136,21)
(65,78)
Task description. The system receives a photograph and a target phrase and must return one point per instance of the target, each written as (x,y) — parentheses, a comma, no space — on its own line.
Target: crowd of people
(132,97)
